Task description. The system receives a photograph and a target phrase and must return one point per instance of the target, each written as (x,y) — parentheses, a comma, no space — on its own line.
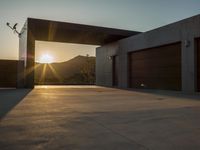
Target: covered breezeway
(45,30)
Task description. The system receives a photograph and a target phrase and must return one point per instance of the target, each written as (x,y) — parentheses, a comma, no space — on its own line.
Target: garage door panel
(165,52)
(163,59)
(144,57)
(198,64)
(153,64)
(157,68)
(160,70)
(157,83)
(154,74)
(154,79)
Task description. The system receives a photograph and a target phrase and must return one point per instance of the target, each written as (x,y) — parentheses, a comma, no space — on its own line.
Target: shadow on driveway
(9,98)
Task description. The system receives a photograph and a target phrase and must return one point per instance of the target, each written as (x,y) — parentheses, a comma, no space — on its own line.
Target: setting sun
(46,58)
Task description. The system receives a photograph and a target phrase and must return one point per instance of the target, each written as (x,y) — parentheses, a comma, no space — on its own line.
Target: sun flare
(46,59)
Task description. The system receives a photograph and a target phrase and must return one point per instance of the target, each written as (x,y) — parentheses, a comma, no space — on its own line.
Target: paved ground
(96,118)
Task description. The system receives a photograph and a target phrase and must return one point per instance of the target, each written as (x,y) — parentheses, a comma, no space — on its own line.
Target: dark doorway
(115,61)
(198,64)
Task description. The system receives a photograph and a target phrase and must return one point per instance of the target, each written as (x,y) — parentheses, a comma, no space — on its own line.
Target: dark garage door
(156,68)
(115,70)
(198,65)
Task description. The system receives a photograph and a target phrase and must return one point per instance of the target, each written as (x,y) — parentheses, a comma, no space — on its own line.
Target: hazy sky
(62,51)
(139,15)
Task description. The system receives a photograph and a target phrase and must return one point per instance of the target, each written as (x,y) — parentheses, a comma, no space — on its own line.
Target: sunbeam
(55,73)
(42,77)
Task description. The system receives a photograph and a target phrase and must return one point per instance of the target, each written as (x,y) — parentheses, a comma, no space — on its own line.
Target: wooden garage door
(156,68)
(198,65)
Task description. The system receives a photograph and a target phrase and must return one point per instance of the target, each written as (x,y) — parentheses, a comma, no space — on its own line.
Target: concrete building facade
(184,35)
(166,58)
(46,30)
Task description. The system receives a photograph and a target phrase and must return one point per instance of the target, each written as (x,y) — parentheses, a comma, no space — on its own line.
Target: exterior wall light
(142,85)
(187,43)
(110,57)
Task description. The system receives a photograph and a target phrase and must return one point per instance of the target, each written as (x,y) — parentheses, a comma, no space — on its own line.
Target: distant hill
(78,70)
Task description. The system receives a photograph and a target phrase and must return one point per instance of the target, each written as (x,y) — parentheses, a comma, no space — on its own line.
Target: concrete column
(20,74)
(30,59)
(188,65)
(22,57)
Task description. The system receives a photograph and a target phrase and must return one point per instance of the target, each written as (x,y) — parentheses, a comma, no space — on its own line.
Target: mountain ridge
(78,70)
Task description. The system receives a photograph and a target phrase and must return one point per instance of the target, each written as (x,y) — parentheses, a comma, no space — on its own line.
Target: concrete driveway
(97,118)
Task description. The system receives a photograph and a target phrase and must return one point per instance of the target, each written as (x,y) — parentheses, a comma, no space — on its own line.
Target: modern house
(166,58)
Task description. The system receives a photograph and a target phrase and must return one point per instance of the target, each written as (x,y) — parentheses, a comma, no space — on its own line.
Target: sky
(61,51)
(136,15)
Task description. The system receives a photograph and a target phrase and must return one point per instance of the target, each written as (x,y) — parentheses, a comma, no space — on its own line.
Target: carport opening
(64,63)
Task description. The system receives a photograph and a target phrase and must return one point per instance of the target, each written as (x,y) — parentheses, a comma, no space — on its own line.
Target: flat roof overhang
(46,30)
(54,31)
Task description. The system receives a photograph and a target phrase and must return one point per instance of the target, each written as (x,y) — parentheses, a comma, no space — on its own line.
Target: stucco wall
(184,31)
(22,57)
(104,64)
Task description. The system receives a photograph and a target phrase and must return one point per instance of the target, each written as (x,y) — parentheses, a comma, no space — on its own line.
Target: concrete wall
(22,57)
(27,55)
(104,64)
(184,31)
(8,75)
